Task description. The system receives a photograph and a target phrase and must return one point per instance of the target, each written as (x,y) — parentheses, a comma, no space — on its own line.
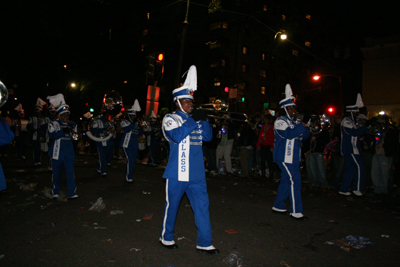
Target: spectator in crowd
(224,148)
(246,138)
(385,150)
(265,144)
(210,147)
(34,126)
(337,159)
(315,147)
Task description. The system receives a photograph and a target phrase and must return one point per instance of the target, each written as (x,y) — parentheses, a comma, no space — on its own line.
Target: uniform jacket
(288,138)
(131,132)
(185,137)
(351,137)
(34,126)
(61,143)
(99,126)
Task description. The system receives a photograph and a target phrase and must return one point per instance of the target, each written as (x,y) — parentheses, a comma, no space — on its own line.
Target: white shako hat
(39,104)
(188,87)
(19,109)
(135,108)
(153,115)
(59,103)
(289,99)
(359,104)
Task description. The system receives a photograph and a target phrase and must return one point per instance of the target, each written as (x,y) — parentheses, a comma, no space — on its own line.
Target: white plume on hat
(153,115)
(289,98)
(359,101)
(359,104)
(40,102)
(188,87)
(56,100)
(19,109)
(87,115)
(59,103)
(136,106)
(191,79)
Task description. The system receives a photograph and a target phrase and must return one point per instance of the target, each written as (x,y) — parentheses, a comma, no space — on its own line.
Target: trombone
(218,108)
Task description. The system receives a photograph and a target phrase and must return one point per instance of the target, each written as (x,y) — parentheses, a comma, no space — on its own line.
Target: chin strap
(179,103)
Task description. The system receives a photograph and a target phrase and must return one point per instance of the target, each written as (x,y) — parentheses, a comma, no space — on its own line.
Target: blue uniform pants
(105,156)
(289,187)
(37,152)
(153,152)
(70,176)
(196,192)
(353,173)
(131,154)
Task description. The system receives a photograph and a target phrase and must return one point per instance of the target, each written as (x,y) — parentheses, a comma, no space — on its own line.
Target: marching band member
(130,142)
(21,133)
(6,135)
(287,155)
(350,147)
(185,172)
(61,150)
(112,103)
(34,126)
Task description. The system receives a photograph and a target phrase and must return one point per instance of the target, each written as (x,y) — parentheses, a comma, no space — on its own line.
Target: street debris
(231,231)
(387,236)
(98,227)
(114,212)
(148,217)
(28,187)
(138,220)
(135,249)
(234,259)
(98,205)
(351,241)
(146,193)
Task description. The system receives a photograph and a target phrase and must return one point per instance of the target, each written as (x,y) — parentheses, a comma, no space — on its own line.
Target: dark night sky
(39,37)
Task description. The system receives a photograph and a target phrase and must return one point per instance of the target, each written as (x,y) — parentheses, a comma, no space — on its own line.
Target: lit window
(307,43)
(308,16)
(244,50)
(263,73)
(225,25)
(263,56)
(265,8)
(217,84)
(213,65)
(295,52)
(244,67)
(145,32)
(223,63)
(143,45)
(283,17)
(262,90)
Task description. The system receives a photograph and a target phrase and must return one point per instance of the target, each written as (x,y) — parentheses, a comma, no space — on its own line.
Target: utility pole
(183,39)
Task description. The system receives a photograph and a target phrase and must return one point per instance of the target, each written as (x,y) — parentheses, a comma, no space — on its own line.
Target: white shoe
(56,196)
(345,193)
(74,196)
(357,193)
(129,180)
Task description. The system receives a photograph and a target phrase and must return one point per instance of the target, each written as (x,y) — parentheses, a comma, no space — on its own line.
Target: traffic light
(150,66)
(91,110)
(159,66)
(331,110)
(226,89)
(242,99)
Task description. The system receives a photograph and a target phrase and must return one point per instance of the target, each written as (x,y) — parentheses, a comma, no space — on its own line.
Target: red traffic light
(160,57)
(226,89)
(331,110)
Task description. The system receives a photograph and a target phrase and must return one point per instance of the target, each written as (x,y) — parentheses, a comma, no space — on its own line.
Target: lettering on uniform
(289,148)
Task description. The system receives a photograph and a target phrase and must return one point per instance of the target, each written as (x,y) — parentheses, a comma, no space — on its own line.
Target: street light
(282,35)
(317,77)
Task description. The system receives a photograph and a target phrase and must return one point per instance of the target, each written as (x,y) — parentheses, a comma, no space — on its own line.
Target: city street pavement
(38,231)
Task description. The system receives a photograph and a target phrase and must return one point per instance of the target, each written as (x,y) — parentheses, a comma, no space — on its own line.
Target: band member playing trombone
(185,130)
(61,151)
